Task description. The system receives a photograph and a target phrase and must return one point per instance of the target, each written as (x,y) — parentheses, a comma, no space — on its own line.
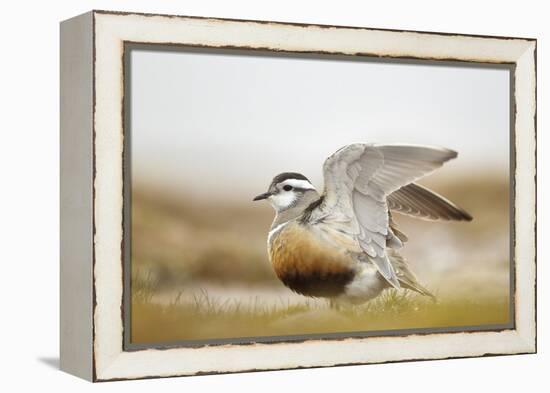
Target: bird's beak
(265,195)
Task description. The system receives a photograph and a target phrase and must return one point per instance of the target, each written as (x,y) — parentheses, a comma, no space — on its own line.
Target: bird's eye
(287,188)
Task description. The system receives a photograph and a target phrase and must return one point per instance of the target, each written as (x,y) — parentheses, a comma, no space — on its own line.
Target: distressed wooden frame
(92,190)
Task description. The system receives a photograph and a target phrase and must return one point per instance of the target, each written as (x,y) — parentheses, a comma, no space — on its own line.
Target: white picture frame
(92,194)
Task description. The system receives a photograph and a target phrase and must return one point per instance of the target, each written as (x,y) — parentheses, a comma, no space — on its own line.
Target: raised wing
(358,180)
(417,201)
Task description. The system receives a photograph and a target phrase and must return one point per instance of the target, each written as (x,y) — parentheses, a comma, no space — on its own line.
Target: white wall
(29,197)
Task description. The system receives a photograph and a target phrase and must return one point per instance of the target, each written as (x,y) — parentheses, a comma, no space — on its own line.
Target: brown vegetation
(182,247)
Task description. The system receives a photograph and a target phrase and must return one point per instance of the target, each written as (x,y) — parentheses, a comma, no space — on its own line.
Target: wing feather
(417,201)
(405,275)
(358,180)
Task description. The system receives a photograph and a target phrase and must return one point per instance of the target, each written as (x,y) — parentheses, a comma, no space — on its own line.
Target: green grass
(203,317)
(183,242)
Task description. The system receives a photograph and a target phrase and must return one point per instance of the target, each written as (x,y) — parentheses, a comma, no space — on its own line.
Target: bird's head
(289,190)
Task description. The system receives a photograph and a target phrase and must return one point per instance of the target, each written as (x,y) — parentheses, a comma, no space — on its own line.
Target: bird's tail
(406,277)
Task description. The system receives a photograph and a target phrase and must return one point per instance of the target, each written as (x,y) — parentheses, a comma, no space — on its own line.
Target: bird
(342,244)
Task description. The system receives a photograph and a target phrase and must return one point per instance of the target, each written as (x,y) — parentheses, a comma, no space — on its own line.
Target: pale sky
(212,123)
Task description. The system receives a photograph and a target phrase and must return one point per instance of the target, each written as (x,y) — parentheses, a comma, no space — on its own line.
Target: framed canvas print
(245,195)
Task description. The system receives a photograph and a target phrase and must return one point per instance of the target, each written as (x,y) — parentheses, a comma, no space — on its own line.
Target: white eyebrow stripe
(299,184)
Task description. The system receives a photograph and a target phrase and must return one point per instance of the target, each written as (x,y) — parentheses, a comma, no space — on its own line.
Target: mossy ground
(203,317)
(181,244)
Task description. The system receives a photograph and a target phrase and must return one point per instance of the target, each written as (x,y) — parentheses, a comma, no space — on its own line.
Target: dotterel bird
(342,244)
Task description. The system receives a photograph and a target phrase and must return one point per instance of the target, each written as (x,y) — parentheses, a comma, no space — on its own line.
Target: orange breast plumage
(307,265)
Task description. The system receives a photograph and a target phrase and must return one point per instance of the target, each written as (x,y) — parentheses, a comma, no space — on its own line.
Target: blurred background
(209,130)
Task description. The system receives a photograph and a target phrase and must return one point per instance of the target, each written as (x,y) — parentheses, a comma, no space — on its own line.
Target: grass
(183,242)
(201,316)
